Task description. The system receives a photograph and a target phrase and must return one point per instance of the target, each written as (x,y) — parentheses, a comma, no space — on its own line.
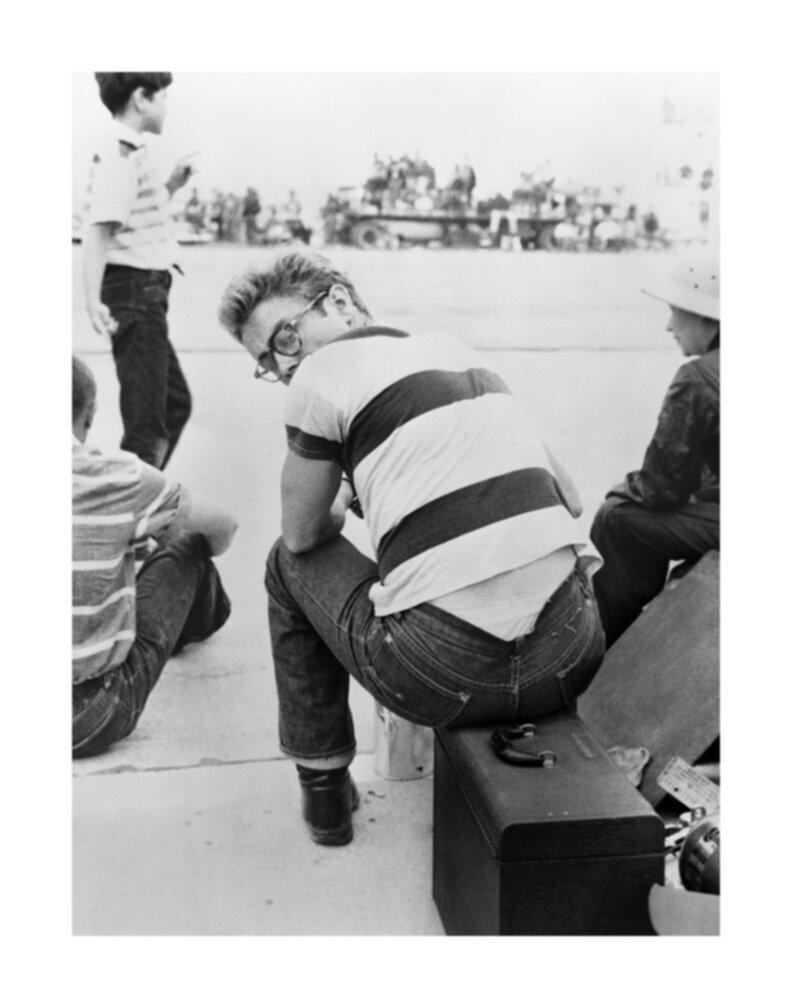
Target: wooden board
(658,686)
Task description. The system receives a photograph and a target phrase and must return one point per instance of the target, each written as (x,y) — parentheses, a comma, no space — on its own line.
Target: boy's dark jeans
(424,664)
(180,599)
(155,400)
(637,546)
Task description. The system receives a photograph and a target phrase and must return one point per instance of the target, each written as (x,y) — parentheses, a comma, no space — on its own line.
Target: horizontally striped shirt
(124,189)
(118,502)
(453,479)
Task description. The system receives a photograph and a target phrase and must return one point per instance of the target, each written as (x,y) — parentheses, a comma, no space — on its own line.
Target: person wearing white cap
(669,509)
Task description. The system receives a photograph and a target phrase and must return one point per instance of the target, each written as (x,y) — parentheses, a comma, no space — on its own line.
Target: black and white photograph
(417,632)
(402,644)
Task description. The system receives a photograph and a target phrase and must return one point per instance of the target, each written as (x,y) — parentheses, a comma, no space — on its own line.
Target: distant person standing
(469,182)
(650,227)
(251,208)
(216,214)
(232,217)
(129,254)
(195,211)
(293,209)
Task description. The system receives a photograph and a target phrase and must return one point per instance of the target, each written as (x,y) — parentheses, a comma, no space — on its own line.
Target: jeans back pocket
(407,687)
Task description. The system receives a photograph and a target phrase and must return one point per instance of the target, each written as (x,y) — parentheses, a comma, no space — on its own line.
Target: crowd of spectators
(409,185)
(230,217)
(586,218)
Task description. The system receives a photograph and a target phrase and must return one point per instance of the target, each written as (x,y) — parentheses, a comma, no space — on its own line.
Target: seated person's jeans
(637,545)
(180,599)
(424,664)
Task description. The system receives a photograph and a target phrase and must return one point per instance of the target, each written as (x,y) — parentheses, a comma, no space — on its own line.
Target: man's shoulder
(378,355)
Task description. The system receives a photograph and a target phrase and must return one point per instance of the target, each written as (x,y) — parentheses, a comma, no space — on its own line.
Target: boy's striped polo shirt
(454,481)
(124,189)
(118,502)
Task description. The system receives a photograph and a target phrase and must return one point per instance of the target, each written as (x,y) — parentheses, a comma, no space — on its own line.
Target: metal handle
(501,744)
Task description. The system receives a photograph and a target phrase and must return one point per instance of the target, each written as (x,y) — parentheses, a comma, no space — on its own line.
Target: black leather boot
(329,797)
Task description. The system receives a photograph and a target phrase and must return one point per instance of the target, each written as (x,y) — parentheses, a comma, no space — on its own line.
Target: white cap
(693,285)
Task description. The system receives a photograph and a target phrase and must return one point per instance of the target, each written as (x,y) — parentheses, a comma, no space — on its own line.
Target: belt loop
(517,644)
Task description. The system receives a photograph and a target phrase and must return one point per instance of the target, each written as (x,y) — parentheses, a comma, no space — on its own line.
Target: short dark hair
(115,89)
(83,388)
(305,274)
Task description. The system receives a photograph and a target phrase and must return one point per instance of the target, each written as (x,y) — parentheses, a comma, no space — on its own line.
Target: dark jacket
(682,462)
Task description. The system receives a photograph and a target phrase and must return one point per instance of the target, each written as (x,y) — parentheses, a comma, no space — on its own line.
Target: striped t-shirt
(453,479)
(118,502)
(124,189)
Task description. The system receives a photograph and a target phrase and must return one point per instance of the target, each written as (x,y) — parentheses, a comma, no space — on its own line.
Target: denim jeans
(423,664)
(155,400)
(637,546)
(180,599)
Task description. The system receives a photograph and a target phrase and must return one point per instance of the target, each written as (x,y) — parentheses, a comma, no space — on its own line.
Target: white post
(402,750)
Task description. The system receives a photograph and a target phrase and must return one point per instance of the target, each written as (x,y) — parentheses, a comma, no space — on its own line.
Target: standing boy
(129,254)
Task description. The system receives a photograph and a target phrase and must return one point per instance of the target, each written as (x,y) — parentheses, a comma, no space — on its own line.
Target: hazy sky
(315,132)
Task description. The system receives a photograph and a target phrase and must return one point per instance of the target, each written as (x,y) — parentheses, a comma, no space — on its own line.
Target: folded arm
(314,502)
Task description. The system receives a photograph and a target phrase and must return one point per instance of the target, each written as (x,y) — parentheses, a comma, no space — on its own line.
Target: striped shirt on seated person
(458,491)
(118,504)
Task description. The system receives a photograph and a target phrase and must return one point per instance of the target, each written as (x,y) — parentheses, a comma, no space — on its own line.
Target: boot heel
(329,797)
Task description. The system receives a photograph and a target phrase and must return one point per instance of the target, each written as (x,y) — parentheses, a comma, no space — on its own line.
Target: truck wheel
(367,235)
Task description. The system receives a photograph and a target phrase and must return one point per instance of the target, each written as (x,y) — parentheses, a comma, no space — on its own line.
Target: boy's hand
(101,319)
(181,173)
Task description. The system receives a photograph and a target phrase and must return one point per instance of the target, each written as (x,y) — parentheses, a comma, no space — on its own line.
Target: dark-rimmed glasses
(285,341)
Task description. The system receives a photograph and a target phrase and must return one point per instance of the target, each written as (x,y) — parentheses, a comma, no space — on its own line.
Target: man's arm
(568,489)
(314,502)
(97,239)
(215,525)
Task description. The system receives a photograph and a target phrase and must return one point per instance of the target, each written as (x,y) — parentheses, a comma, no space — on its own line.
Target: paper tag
(689,786)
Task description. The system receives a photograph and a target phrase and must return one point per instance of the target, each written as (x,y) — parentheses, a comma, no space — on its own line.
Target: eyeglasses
(284,341)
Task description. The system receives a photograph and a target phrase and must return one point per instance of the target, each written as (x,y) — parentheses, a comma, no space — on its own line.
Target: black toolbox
(569,849)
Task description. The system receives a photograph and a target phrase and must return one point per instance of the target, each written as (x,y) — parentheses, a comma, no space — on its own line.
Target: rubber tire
(368,235)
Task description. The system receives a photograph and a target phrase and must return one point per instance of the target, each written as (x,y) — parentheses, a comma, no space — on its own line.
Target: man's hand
(101,319)
(180,175)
